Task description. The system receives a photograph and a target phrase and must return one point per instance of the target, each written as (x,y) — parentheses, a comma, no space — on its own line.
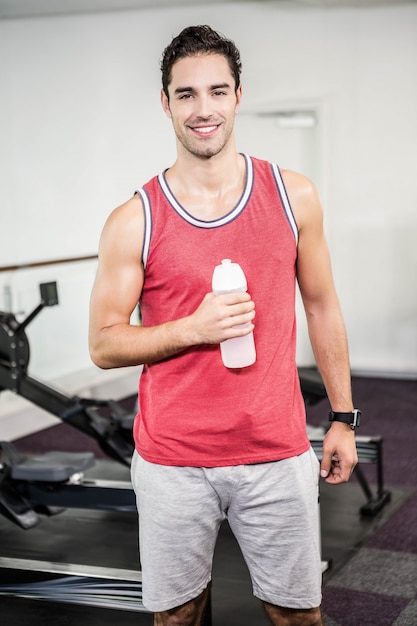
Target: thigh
(275,518)
(179,519)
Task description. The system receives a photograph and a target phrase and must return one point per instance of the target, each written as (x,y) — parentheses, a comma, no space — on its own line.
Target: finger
(339,472)
(235,297)
(326,465)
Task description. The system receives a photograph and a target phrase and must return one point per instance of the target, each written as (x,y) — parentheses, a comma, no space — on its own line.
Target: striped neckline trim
(225,219)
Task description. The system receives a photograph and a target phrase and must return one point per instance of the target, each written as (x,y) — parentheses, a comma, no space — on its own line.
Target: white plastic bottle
(238,351)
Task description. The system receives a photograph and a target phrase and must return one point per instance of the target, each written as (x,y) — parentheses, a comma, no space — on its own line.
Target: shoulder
(303,196)
(299,186)
(126,214)
(124,226)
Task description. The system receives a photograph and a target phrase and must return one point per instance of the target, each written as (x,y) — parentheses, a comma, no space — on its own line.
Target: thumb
(325,465)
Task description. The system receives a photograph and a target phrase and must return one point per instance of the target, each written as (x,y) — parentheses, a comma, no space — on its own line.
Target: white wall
(81,128)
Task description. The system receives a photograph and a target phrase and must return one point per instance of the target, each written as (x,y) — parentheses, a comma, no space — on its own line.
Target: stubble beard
(204,148)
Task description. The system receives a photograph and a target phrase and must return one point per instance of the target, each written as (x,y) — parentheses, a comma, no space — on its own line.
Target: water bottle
(238,351)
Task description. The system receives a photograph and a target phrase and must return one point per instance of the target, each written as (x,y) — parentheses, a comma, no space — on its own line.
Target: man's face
(202,103)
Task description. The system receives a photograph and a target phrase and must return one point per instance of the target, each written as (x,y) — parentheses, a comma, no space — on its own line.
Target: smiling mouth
(204,130)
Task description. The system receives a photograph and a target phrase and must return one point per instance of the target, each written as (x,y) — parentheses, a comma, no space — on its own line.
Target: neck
(192,175)
(210,188)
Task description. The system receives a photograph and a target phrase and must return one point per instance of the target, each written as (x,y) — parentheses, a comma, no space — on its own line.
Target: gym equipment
(369,452)
(104,420)
(369,448)
(51,482)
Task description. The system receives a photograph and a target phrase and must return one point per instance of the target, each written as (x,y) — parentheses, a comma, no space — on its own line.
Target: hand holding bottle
(236,352)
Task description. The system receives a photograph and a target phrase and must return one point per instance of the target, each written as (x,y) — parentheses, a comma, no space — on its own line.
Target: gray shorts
(272,509)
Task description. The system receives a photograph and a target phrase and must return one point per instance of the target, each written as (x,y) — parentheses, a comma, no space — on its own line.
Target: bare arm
(325,323)
(113,341)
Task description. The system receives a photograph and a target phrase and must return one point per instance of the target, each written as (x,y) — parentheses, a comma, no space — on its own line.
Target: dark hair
(195,40)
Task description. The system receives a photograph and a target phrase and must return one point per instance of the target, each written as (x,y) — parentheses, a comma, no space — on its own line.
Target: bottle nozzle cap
(228,277)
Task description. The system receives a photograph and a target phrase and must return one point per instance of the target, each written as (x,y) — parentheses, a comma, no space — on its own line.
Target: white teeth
(206,129)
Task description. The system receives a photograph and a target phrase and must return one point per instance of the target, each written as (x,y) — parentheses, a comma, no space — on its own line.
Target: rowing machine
(104,420)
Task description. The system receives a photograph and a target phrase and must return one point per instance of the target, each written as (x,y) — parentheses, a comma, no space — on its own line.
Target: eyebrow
(192,90)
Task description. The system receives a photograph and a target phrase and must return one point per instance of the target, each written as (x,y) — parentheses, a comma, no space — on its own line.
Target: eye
(185,96)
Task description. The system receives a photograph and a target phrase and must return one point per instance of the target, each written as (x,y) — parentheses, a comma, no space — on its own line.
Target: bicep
(120,274)
(314,272)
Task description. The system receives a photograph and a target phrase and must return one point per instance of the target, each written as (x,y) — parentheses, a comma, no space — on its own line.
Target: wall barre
(23,266)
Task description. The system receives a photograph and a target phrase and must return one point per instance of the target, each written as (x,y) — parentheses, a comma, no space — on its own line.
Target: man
(211,442)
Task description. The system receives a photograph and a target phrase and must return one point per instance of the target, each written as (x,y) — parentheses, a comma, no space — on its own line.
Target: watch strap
(352,418)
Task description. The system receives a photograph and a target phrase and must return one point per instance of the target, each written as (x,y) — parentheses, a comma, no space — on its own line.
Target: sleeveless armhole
(285,200)
(147,230)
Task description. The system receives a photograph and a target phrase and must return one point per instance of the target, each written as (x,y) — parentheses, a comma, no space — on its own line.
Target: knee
(176,617)
(188,614)
(280,616)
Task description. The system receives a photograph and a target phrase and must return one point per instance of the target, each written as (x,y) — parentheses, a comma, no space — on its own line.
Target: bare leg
(188,614)
(279,616)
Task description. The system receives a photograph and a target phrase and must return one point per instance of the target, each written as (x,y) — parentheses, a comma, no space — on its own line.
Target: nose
(203,109)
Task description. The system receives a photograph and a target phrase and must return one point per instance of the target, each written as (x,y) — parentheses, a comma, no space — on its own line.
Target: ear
(165,104)
(238,97)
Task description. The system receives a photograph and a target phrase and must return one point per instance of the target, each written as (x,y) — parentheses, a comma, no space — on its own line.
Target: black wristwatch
(352,418)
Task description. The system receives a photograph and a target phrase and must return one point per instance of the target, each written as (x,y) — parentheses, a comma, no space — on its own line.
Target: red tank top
(192,410)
